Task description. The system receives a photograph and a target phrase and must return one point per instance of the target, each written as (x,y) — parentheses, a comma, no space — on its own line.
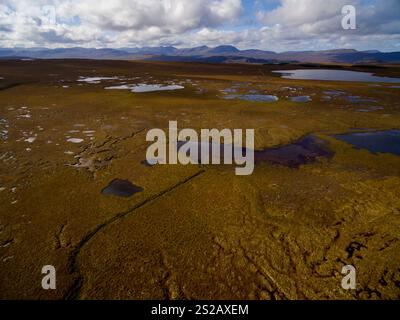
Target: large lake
(334,75)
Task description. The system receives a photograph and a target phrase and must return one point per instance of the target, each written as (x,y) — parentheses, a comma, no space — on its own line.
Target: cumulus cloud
(98,21)
(317,21)
(169,15)
(293,13)
(287,25)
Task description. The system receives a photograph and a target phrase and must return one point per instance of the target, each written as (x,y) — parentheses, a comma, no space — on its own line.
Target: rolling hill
(220,54)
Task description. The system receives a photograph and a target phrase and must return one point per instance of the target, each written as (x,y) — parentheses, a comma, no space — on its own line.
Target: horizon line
(189,48)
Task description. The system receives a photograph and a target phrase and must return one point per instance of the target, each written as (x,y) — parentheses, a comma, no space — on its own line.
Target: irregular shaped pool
(140,88)
(376,142)
(303,151)
(301,99)
(252,97)
(121,188)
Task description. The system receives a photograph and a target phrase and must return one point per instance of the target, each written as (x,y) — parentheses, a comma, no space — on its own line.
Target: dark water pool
(304,151)
(252,97)
(376,142)
(121,188)
(358,99)
(301,99)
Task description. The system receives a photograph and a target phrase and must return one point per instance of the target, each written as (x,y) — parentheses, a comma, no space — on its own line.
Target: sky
(273,25)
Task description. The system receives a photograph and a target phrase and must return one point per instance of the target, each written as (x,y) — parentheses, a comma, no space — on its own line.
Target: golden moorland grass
(194,232)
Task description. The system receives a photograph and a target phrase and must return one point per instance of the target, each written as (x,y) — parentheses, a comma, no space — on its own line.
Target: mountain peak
(223,53)
(224,49)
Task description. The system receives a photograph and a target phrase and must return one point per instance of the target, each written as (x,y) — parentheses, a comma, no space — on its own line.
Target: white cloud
(292,25)
(317,21)
(293,13)
(101,19)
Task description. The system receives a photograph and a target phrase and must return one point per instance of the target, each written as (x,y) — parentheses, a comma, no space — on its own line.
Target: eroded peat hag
(312,205)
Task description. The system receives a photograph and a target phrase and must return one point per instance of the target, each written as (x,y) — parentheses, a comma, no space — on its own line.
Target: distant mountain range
(220,54)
